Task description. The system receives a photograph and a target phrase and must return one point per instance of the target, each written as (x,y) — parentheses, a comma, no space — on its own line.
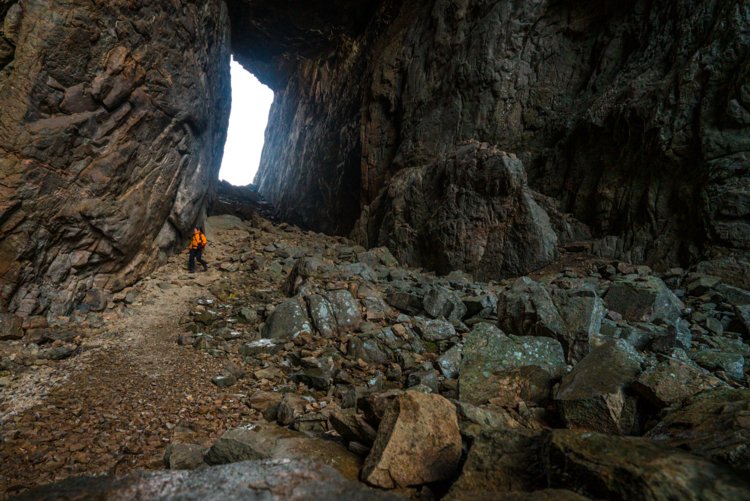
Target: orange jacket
(199,240)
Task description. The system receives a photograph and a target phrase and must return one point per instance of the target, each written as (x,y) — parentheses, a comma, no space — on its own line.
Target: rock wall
(113,117)
(632,116)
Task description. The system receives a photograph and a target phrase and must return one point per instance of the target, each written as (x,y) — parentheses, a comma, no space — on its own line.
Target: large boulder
(643,299)
(716,425)
(470,210)
(592,396)
(269,441)
(248,480)
(491,366)
(609,467)
(287,321)
(418,442)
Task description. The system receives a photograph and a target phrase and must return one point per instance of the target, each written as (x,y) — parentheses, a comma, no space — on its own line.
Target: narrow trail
(132,390)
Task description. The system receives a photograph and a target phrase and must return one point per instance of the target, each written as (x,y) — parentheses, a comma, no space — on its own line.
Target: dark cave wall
(113,117)
(633,116)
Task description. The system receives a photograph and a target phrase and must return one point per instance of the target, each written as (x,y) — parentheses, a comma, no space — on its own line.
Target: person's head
(196,229)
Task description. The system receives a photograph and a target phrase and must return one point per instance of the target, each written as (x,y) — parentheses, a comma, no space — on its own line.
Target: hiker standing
(197,244)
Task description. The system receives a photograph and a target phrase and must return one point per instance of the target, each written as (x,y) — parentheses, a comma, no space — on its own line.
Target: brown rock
(418,442)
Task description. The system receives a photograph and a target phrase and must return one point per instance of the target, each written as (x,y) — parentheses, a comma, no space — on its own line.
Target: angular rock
(592,396)
(527,309)
(440,302)
(499,461)
(322,315)
(352,427)
(287,321)
(183,456)
(643,299)
(345,309)
(248,480)
(488,354)
(418,442)
(715,425)
(674,381)
(434,329)
(732,363)
(10,327)
(610,467)
(449,362)
(269,441)
(582,312)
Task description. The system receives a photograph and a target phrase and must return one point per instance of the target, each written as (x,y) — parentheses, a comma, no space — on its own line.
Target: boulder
(582,312)
(247,480)
(352,427)
(449,362)
(418,442)
(433,329)
(489,356)
(715,425)
(440,302)
(643,299)
(10,327)
(730,362)
(345,309)
(527,309)
(287,321)
(592,396)
(674,381)
(500,461)
(610,467)
(269,441)
(183,456)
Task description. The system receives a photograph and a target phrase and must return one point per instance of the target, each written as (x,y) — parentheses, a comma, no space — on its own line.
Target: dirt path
(129,393)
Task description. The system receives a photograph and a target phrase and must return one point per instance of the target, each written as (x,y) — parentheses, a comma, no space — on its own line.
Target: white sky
(251,101)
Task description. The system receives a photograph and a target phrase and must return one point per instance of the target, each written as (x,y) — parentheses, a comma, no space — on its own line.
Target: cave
(112,142)
(494,249)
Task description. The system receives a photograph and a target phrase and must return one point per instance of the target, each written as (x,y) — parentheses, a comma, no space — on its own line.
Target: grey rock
(287,321)
(345,309)
(488,353)
(10,327)
(481,305)
(734,295)
(449,362)
(592,396)
(183,456)
(433,329)
(224,380)
(428,379)
(442,302)
(247,480)
(582,311)
(527,309)
(255,348)
(596,462)
(58,352)
(643,299)
(732,363)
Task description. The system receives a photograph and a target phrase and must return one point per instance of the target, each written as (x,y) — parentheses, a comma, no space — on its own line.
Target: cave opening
(251,103)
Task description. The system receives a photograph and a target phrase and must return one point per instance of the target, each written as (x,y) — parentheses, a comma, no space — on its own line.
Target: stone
(10,327)
(582,312)
(183,456)
(290,407)
(643,299)
(488,354)
(303,269)
(314,377)
(260,346)
(269,441)
(353,427)
(440,302)
(375,405)
(732,363)
(407,302)
(673,382)
(743,316)
(288,320)
(61,352)
(224,380)
(427,379)
(434,329)
(379,256)
(418,442)
(527,309)
(714,425)
(266,479)
(322,315)
(499,461)
(345,309)
(592,396)
(480,305)
(595,464)
(734,295)
(702,284)
(449,363)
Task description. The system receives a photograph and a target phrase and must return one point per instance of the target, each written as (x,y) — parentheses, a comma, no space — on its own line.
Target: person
(197,244)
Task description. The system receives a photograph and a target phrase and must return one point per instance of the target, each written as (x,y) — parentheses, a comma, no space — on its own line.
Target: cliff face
(632,116)
(112,123)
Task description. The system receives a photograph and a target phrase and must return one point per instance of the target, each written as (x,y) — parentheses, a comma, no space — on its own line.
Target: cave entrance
(251,102)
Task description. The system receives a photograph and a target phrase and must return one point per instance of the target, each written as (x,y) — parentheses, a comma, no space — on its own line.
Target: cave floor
(130,392)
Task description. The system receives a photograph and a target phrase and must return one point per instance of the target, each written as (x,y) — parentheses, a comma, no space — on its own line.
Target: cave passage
(251,102)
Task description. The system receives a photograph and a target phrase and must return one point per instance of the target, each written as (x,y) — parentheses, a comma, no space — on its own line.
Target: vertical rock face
(112,122)
(633,116)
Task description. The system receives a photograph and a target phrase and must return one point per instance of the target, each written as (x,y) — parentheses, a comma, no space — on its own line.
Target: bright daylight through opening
(251,101)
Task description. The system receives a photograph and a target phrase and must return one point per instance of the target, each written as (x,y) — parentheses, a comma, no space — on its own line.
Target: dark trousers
(195,254)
